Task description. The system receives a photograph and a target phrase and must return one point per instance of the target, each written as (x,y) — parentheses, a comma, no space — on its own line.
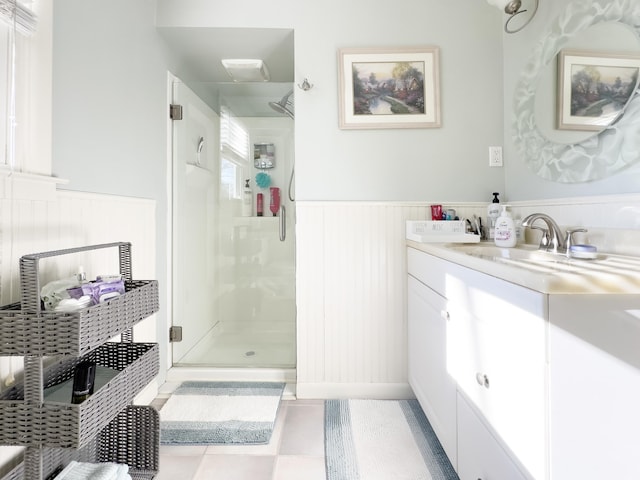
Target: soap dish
(588,252)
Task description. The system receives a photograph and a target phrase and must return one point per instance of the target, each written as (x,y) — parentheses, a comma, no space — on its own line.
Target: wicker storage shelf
(103,427)
(76,333)
(132,438)
(71,426)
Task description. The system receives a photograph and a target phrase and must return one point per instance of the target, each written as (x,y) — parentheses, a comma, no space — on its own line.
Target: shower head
(281,106)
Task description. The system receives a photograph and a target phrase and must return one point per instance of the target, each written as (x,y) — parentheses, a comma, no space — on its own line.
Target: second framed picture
(389,88)
(594,88)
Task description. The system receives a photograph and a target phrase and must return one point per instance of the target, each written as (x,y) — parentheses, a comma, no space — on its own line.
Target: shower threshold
(178,374)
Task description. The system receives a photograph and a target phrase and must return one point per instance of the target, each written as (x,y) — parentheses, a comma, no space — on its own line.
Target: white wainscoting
(351,295)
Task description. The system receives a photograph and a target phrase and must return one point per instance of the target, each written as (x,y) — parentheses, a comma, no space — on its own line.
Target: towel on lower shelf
(94,471)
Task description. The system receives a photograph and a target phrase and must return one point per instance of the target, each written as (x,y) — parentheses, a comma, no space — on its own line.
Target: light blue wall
(446,164)
(110,108)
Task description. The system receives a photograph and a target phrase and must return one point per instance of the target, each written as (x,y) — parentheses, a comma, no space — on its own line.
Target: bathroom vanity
(527,365)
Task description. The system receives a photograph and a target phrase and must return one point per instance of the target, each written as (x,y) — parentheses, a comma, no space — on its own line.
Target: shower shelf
(103,427)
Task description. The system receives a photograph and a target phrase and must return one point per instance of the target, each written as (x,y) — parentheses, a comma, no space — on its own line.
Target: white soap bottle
(505,232)
(247,200)
(493,212)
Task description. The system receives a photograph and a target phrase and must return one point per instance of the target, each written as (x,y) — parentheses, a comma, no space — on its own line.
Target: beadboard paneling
(351,291)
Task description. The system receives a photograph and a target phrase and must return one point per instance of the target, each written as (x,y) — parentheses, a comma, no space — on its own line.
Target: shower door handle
(283,223)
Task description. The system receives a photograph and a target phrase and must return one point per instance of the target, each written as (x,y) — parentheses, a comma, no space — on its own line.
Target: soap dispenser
(505,232)
(493,212)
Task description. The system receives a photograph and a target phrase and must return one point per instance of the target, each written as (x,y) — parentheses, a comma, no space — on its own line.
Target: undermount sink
(546,272)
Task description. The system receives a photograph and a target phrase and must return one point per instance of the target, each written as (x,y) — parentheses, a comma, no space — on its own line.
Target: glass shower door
(234,279)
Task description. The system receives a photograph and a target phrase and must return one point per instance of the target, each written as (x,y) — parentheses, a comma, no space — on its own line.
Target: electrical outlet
(495,156)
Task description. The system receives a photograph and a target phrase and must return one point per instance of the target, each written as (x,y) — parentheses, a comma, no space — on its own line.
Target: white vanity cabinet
(492,351)
(547,381)
(428,375)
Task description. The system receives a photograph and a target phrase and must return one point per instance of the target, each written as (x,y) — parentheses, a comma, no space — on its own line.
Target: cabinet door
(594,386)
(498,360)
(480,455)
(428,375)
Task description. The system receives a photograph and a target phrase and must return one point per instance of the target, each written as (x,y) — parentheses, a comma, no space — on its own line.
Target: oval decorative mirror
(569,156)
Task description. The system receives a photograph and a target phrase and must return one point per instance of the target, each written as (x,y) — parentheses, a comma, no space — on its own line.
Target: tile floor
(296,451)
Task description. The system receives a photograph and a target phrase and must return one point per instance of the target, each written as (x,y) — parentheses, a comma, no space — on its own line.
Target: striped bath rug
(382,440)
(214,413)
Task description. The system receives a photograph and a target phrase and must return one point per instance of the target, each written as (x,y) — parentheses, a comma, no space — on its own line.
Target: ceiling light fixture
(512,8)
(246,69)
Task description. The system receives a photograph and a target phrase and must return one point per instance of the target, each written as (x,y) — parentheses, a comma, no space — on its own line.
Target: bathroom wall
(397,164)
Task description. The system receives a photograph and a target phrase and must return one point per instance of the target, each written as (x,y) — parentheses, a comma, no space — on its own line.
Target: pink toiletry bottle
(260,204)
(274,201)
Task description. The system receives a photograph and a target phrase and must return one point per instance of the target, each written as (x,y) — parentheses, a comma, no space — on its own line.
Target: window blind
(15,13)
(234,137)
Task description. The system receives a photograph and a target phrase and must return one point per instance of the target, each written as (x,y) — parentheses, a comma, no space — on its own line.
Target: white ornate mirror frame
(602,155)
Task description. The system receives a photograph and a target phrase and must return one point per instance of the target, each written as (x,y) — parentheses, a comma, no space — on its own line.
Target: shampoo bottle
(493,212)
(505,232)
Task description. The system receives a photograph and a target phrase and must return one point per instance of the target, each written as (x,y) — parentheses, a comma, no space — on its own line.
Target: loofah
(263,180)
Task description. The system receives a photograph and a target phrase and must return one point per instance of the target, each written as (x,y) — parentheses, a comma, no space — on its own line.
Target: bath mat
(214,413)
(382,439)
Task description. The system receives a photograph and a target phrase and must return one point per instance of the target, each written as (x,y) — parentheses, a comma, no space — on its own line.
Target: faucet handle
(569,236)
(545,239)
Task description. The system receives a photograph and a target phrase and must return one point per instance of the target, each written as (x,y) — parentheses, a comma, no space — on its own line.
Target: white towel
(94,471)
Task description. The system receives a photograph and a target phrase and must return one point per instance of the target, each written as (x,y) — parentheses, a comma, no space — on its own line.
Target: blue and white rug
(382,440)
(213,413)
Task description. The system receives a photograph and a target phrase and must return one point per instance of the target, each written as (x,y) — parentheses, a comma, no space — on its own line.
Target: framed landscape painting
(389,88)
(594,88)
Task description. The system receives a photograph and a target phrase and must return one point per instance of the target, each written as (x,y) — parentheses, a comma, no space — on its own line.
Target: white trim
(375,391)
(181,374)
(28,186)
(591,200)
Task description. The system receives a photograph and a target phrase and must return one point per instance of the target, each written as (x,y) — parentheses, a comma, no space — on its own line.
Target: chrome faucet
(552,239)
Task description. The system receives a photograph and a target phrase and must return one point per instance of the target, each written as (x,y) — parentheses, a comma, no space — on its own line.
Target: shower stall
(233,272)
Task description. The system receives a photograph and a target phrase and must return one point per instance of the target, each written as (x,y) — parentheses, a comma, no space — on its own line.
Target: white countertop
(544,272)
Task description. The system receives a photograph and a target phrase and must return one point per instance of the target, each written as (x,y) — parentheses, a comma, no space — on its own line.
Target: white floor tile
(235,467)
(303,432)
(298,467)
(181,466)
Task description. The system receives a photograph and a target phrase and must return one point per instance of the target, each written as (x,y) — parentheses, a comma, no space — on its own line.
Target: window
(15,20)
(234,153)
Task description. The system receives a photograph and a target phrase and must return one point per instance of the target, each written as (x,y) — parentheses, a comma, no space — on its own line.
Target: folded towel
(94,471)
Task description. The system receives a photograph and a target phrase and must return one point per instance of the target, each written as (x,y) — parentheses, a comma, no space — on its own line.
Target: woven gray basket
(76,333)
(131,438)
(25,329)
(66,425)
